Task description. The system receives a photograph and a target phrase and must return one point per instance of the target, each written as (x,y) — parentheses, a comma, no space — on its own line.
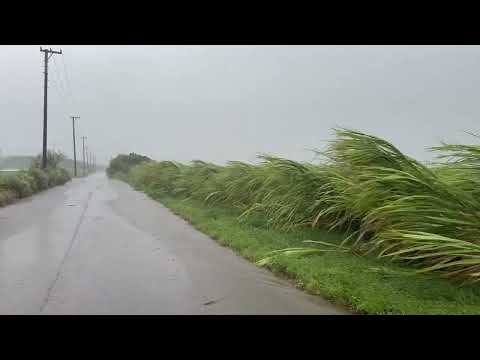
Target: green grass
(365,284)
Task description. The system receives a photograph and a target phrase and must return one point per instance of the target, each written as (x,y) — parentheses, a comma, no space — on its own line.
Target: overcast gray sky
(219,103)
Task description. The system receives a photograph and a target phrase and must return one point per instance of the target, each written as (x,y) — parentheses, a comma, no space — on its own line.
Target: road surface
(95,246)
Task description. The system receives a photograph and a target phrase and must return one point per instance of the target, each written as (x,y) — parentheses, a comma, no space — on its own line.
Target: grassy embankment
(24,183)
(387,235)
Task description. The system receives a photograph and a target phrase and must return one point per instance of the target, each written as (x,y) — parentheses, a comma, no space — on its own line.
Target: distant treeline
(23,162)
(16,162)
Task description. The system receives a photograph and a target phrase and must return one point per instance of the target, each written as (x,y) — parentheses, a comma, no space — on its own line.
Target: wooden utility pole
(83,141)
(86,156)
(74,146)
(45,87)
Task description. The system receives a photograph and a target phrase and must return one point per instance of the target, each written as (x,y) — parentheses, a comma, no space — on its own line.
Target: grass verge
(366,285)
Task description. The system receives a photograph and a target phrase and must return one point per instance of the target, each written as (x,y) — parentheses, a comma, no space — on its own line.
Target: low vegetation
(24,183)
(364,284)
(386,207)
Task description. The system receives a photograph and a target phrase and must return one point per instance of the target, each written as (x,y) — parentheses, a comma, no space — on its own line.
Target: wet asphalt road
(95,246)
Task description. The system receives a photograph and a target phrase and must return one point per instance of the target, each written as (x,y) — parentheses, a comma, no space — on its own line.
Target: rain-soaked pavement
(95,246)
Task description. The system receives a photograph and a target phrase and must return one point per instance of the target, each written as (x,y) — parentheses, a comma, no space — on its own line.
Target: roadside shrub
(65,175)
(52,175)
(61,176)
(25,183)
(54,158)
(40,178)
(57,176)
(18,183)
(30,180)
(7,196)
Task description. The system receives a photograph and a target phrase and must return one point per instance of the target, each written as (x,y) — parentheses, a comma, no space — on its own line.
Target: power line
(60,82)
(66,104)
(62,91)
(61,97)
(61,101)
(67,80)
(62,88)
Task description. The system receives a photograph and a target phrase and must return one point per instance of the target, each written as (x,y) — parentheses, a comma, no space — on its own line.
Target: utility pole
(45,87)
(89,160)
(86,154)
(74,146)
(83,141)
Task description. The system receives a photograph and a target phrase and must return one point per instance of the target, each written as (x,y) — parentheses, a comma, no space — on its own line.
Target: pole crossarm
(51,51)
